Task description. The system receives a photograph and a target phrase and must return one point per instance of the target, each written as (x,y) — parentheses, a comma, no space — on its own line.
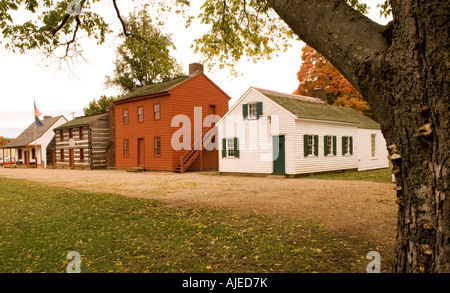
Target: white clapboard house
(267,132)
(31,145)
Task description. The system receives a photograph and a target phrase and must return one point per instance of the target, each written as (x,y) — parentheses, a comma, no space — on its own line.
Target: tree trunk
(406,85)
(414,74)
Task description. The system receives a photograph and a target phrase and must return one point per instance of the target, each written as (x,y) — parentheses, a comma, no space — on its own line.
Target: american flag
(36,111)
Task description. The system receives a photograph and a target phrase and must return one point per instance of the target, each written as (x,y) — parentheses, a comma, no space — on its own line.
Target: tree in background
(98,106)
(4,140)
(317,72)
(144,56)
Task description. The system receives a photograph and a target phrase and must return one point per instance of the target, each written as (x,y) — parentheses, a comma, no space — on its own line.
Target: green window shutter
(343,145)
(334,145)
(259,109)
(305,145)
(224,148)
(245,110)
(325,145)
(236,147)
(316,145)
(351,145)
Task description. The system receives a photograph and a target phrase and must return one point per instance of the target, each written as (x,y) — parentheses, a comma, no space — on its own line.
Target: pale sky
(24,78)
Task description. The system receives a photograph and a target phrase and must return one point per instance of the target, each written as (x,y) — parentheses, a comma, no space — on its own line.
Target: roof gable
(29,135)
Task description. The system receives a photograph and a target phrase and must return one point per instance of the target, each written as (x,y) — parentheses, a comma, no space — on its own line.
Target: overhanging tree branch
(341,34)
(124,26)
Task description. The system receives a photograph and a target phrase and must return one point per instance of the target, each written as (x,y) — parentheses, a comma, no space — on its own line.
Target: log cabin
(82,143)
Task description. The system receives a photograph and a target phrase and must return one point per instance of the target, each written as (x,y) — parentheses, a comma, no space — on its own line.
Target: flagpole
(35,142)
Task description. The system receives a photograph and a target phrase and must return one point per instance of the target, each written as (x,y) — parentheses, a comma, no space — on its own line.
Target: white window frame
(230,148)
(140,114)
(157,110)
(157,146)
(252,111)
(346,145)
(330,145)
(373,143)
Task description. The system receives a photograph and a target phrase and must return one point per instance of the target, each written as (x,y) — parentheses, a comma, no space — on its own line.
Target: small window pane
(157,146)
(252,111)
(140,114)
(310,145)
(230,147)
(157,114)
(125,116)
(373,136)
(125,147)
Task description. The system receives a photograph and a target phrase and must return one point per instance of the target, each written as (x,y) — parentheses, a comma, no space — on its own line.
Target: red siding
(198,91)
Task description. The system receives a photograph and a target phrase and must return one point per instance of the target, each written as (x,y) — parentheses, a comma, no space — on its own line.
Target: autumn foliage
(317,72)
(4,140)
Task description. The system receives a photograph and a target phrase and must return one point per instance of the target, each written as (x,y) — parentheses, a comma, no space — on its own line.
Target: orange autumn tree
(317,72)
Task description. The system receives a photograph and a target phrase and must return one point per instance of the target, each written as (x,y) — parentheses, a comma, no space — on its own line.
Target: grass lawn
(380,175)
(40,225)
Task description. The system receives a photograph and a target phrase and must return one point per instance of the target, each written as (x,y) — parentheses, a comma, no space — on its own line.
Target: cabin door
(279,157)
(71,159)
(53,158)
(141,152)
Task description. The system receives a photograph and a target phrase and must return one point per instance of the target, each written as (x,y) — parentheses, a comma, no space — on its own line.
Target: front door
(71,159)
(53,158)
(141,152)
(279,157)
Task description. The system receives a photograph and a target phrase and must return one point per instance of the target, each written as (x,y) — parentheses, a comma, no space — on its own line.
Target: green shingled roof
(156,88)
(81,121)
(312,108)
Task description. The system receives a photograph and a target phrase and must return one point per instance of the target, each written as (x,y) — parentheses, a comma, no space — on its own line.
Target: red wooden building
(147,124)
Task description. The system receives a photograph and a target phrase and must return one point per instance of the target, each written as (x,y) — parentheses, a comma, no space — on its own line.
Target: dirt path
(355,208)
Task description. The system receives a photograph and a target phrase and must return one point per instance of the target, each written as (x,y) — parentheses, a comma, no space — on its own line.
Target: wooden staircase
(196,148)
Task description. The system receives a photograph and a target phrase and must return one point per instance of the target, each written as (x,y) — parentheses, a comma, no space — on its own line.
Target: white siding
(255,136)
(44,140)
(366,161)
(323,163)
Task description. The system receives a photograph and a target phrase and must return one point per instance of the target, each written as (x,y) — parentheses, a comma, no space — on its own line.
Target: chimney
(47,117)
(319,93)
(195,67)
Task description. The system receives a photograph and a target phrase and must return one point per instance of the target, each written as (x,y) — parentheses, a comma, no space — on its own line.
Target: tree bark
(401,70)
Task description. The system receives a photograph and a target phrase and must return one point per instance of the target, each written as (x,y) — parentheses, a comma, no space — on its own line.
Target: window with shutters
(347,145)
(311,145)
